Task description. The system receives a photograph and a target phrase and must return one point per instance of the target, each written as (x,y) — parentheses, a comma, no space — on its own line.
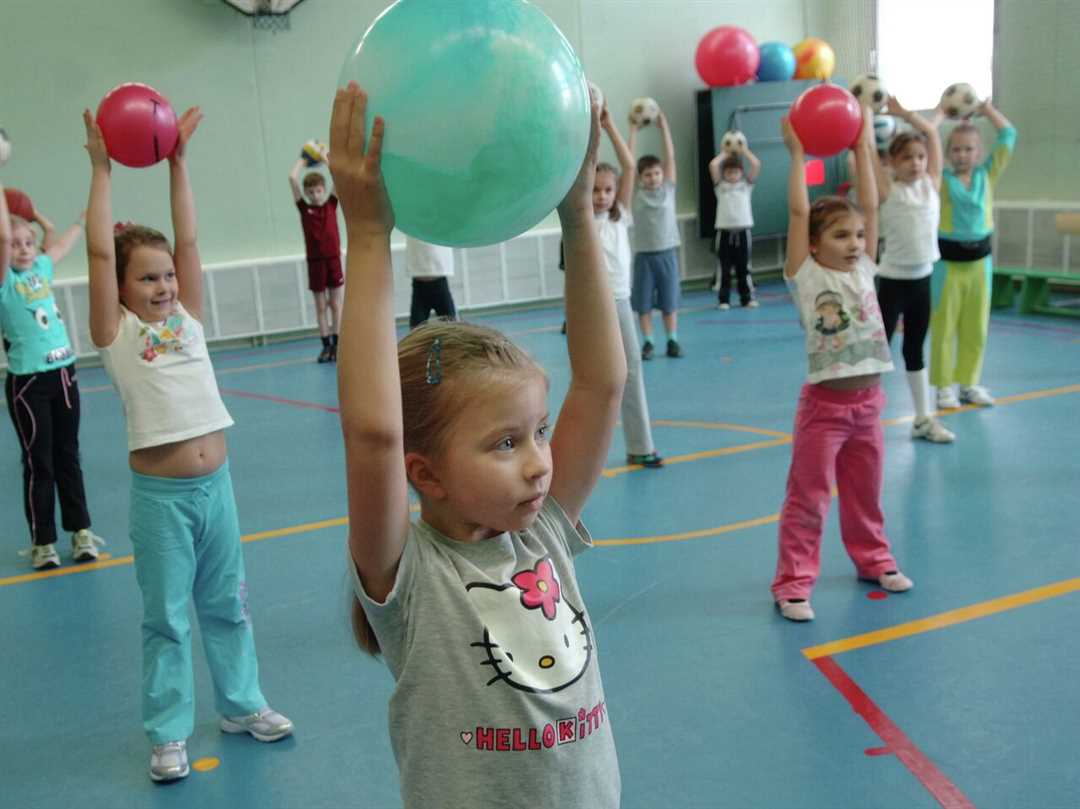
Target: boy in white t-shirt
(429,266)
(734,219)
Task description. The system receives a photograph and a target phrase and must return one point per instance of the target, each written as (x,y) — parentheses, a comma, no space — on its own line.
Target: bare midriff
(191,458)
(851,382)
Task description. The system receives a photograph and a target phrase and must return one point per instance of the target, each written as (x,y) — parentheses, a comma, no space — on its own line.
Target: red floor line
(245,394)
(944,791)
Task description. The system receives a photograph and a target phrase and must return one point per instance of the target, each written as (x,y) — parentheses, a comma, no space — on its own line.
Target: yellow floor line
(704,532)
(104,563)
(944,619)
(719,425)
(697,456)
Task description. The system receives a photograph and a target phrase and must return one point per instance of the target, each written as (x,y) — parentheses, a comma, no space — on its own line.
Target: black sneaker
(647,351)
(652,460)
(563,329)
(326,354)
(333,353)
(674,349)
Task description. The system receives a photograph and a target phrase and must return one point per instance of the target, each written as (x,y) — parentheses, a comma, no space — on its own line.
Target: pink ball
(827,120)
(139,125)
(727,56)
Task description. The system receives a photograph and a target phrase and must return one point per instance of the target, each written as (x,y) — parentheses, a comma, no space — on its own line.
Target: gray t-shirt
(498,697)
(655,225)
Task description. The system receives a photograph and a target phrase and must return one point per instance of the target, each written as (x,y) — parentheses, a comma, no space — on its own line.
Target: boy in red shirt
(318,216)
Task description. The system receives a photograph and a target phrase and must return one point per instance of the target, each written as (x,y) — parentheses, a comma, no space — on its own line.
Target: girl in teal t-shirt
(42,391)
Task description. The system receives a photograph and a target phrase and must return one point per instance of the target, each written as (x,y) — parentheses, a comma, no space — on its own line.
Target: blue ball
(487,115)
(777,62)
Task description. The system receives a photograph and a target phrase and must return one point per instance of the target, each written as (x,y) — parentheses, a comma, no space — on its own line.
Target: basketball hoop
(266,15)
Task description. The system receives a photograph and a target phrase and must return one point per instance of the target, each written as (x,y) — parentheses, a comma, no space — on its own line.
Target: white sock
(919,382)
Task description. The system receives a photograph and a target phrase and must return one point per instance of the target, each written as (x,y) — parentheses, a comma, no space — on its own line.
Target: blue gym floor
(968,693)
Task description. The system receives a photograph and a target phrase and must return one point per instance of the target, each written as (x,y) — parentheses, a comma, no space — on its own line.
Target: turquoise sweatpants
(187,544)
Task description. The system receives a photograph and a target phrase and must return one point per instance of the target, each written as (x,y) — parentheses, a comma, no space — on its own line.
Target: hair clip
(120,227)
(434,362)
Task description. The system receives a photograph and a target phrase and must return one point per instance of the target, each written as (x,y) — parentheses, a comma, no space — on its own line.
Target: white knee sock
(919,382)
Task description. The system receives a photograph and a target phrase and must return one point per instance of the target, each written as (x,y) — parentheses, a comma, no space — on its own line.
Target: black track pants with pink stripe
(44,408)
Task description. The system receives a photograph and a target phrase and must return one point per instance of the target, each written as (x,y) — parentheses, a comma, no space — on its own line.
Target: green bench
(1034,290)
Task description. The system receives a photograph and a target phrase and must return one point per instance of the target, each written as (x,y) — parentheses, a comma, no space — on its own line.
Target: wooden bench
(1034,281)
(1034,290)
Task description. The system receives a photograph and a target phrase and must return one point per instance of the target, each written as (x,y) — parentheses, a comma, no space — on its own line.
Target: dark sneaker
(325,355)
(652,460)
(333,354)
(647,351)
(674,349)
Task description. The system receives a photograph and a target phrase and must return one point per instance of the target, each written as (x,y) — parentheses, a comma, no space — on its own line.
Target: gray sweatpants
(635,410)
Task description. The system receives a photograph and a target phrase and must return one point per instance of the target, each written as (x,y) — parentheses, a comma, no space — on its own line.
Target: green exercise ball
(487,115)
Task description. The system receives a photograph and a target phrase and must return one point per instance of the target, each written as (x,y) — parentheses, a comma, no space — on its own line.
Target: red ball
(827,120)
(138,124)
(727,56)
(19,204)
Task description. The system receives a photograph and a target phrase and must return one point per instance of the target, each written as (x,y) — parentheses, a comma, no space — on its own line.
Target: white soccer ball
(5,146)
(869,89)
(959,100)
(884,129)
(643,111)
(733,141)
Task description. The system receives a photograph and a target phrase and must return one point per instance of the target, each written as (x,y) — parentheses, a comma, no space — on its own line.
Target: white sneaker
(895,582)
(752,304)
(796,609)
(932,430)
(169,761)
(44,557)
(723,307)
(976,395)
(266,725)
(946,399)
(84,545)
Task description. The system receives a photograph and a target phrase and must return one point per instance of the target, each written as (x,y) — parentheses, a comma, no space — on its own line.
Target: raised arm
(755,164)
(624,194)
(369,384)
(294,179)
(714,168)
(668,158)
(100,251)
(186,249)
(597,363)
(61,245)
(47,227)
(865,181)
(798,232)
(5,235)
(928,128)
(994,116)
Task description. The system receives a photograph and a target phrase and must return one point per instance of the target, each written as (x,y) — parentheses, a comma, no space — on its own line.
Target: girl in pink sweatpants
(838,439)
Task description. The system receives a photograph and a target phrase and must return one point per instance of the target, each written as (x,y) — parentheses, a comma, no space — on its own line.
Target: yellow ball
(314,152)
(814,59)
